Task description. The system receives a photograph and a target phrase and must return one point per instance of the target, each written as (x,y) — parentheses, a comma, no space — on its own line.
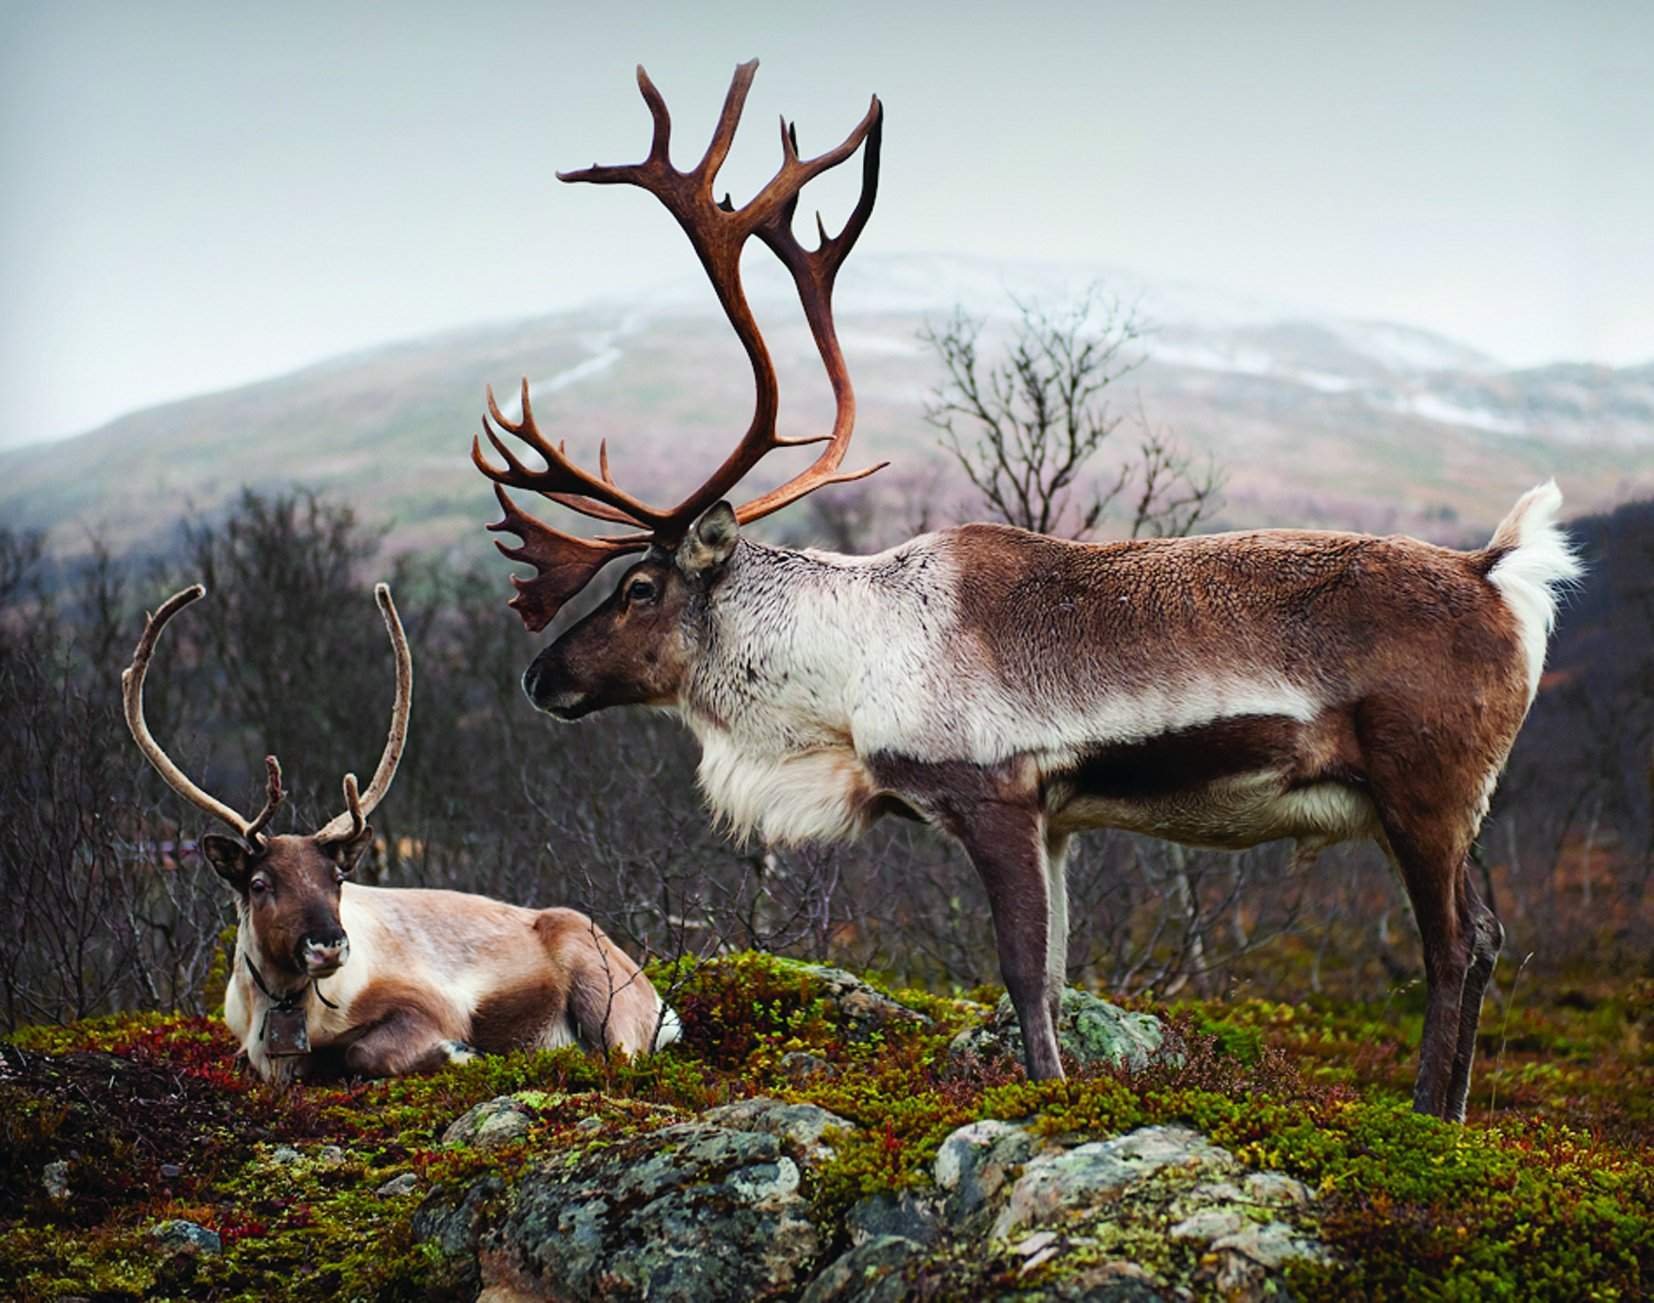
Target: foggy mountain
(1319,420)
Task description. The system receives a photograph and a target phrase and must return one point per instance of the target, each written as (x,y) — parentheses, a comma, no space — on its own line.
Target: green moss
(1548,1194)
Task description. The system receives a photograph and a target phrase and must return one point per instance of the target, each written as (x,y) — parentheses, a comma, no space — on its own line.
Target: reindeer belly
(1228,784)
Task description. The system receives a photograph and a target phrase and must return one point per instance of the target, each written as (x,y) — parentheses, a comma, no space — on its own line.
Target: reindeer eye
(641,589)
(259,886)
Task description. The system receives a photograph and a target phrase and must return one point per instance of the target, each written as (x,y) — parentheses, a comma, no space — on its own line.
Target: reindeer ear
(229,856)
(711,540)
(347,853)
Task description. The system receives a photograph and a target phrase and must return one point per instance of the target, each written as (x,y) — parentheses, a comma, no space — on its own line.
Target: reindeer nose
(326,954)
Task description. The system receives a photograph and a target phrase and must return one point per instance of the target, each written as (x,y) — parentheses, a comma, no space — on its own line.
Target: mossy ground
(1548,1193)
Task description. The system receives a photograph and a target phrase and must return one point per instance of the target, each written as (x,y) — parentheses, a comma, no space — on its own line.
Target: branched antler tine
(341,826)
(132,700)
(562,481)
(353,820)
(519,476)
(660,142)
(515,471)
(565,564)
(729,117)
(716,231)
(655,168)
(796,173)
(273,797)
(799,486)
(813,273)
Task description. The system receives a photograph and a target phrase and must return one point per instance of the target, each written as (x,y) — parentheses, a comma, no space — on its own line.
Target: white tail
(1539,560)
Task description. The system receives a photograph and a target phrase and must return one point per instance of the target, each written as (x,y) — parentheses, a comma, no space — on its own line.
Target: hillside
(821,1138)
(1318,420)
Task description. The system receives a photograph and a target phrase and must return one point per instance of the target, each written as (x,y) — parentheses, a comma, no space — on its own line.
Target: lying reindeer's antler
(132,698)
(252,830)
(717,231)
(343,827)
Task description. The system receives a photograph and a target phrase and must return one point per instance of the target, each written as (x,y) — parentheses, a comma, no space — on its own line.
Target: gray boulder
(694,1211)
(492,1123)
(973,1165)
(1056,1183)
(871,1272)
(1090,1030)
(178,1236)
(1074,1218)
(900,1214)
(803,1129)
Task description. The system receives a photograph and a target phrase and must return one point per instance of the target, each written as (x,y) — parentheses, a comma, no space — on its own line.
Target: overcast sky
(197,195)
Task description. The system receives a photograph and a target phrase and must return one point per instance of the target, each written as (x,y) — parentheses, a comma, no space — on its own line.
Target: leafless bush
(1032,427)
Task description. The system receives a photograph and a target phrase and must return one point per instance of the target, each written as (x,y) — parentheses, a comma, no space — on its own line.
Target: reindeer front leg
(396,1031)
(1006,842)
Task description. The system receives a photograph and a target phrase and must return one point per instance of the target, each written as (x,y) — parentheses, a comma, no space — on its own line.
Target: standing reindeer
(415,978)
(1013,689)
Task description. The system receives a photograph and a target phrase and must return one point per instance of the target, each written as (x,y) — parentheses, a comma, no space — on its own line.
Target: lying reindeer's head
(289,888)
(637,646)
(288,885)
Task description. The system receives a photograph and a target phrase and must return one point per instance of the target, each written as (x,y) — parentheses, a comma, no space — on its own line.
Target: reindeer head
(635,648)
(288,885)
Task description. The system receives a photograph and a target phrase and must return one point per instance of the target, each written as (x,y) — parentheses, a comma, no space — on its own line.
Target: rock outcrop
(719,1207)
(1090,1031)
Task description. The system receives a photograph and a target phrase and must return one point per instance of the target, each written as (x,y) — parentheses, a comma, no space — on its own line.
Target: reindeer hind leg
(1429,813)
(1056,953)
(1487,938)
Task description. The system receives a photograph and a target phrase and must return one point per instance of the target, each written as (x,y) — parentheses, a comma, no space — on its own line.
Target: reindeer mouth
(323,961)
(569,711)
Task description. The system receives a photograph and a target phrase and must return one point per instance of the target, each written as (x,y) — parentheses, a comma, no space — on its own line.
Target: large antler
(132,698)
(344,826)
(717,231)
(252,830)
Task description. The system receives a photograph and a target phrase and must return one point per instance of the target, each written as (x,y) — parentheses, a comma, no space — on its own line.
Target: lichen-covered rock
(178,1236)
(1093,1173)
(689,1212)
(407,1183)
(492,1123)
(888,1212)
(1154,1213)
(861,1008)
(973,1164)
(54,1179)
(870,1272)
(1089,1030)
(804,1129)
(453,1218)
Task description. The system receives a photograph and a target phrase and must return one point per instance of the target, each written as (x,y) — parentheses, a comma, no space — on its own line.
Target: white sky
(197,195)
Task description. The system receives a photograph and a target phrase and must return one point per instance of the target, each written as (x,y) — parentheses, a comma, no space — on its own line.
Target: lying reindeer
(414,979)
